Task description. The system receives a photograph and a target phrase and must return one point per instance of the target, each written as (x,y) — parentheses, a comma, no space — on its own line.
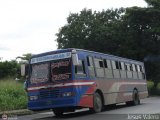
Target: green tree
(142,29)
(91,30)
(9,69)
(132,32)
(26,56)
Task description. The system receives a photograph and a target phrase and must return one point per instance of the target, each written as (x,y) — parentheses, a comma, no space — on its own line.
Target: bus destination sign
(51,57)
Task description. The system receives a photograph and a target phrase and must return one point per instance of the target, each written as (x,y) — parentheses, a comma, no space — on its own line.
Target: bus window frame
(84,73)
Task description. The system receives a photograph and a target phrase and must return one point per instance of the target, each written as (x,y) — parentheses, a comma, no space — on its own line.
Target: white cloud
(29,26)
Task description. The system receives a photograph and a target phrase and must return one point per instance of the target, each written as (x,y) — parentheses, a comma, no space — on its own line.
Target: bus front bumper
(50,103)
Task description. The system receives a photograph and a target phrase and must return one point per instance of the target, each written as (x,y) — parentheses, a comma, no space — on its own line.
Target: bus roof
(88,51)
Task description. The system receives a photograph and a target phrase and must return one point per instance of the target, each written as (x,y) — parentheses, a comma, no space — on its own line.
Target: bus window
(105,63)
(113,65)
(109,64)
(99,67)
(122,66)
(61,69)
(80,69)
(90,61)
(122,70)
(140,76)
(141,69)
(138,68)
(143,73)
(115,69)
(134,71)
(117,65)
(39,73)
(133,67)
(129,70)
(90,67)
(108,69)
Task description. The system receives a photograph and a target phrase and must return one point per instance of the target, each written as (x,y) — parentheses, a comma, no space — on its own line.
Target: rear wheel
(97,103)
(136,100)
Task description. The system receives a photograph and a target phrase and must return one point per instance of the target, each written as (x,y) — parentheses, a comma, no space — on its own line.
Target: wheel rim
(97,103)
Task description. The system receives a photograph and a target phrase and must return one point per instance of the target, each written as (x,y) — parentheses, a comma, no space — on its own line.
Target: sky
(29,26)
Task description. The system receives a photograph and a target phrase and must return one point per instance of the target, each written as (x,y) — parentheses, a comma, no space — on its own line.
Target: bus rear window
(61,69)
(40,73)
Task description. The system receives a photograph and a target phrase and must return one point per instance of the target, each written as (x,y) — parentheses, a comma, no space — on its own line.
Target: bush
(12,95)
(151,88)
(158,88)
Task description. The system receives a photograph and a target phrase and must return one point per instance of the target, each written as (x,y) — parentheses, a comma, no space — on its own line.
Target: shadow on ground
(83,115)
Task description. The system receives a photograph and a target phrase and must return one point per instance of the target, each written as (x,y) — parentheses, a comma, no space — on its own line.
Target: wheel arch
(101,94)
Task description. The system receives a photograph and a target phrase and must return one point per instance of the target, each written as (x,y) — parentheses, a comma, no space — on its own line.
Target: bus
(69,79)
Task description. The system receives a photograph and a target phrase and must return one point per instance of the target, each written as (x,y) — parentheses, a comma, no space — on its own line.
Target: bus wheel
(136,100)
(58,112)
(97,103)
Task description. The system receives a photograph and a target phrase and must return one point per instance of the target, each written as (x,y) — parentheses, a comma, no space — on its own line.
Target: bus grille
(50,94)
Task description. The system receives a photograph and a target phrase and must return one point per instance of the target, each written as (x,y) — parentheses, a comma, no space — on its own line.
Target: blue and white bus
(69,79)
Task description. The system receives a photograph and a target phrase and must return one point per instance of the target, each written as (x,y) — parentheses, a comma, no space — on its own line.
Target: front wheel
(58,112)
(97,103)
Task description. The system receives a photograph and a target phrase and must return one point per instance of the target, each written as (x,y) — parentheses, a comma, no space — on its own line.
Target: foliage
(150,86)
(132,32)
(153,3)
(91,30)
(26,56)
(9,68)
(158,88)
(12,95)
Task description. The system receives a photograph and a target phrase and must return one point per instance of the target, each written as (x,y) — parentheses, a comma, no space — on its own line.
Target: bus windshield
(40,73)
(61,69)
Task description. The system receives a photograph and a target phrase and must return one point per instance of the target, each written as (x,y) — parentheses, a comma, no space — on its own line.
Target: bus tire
(58,112)
(135,97)
(136,100)
(97,103)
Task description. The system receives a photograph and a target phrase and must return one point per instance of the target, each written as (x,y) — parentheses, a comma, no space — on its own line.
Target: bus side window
(115,65)
(143,73)
(135,76)
(99,67)
(122,66)
(80,69)
(129,70)
(140,76)
(90,66)
(122,70)
(108,68)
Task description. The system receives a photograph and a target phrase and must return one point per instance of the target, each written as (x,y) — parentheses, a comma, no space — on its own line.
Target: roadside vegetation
(12,95)
(152,88)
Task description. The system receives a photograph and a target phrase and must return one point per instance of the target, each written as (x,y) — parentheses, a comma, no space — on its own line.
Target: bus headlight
(33,97)
(68,94)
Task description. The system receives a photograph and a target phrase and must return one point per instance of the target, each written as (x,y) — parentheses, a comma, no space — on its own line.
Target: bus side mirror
(75,59)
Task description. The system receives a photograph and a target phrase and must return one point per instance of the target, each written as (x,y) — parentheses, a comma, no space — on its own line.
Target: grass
(12,95)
